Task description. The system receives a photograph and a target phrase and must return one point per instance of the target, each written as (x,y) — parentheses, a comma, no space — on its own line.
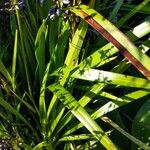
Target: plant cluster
(74,74)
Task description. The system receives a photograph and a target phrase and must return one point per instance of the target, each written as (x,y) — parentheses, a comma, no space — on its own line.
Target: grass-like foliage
(74,74)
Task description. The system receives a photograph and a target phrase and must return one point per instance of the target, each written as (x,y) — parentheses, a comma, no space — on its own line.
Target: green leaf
(111,78)
(76,44)
(141,125)
(132,138)
(40,49)
(77,137)
(42,105)
(59,52)
(81,114)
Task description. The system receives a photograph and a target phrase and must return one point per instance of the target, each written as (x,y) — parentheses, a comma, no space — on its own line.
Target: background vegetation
(69,79)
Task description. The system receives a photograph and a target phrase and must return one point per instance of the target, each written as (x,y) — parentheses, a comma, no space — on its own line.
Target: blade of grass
(32,18)
(55,121)
(32,100)
(14,61)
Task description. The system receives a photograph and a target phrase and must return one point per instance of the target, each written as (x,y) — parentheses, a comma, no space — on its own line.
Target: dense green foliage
(65,86)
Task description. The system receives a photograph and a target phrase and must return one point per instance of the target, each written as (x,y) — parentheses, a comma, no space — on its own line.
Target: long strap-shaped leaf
(116,37)
(39,51)
(129,136)
(76,44)
(80,113)
(111,78)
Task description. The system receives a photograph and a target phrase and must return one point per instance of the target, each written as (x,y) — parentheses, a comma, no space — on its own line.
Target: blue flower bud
(51,13)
